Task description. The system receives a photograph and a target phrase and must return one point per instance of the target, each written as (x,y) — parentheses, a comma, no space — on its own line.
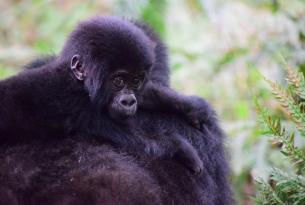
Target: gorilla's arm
(212,186)
(37,104)
(39,62)
(160,97)
(194,109)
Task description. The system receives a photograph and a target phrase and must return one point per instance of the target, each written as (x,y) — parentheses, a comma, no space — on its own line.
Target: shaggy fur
(81,171)
(52,126)
(56,101)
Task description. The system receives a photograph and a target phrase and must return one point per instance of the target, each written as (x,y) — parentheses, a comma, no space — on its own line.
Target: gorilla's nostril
(132,102)
(124,102)
(128,101)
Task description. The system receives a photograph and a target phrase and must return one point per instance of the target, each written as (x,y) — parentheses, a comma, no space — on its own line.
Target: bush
(285,187)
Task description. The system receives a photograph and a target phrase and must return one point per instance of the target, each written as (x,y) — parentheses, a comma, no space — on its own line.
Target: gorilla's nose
(128,101)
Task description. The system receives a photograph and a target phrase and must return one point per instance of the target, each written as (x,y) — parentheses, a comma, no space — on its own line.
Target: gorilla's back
(83,171)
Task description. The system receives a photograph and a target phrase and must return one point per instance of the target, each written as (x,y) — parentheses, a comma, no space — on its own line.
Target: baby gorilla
(107,69)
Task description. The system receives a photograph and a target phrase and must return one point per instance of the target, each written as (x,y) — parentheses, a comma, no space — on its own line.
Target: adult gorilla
(81,171)
(44,166)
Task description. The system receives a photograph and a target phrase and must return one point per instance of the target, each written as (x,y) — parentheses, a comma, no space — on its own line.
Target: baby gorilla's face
(126,88)
(113,59)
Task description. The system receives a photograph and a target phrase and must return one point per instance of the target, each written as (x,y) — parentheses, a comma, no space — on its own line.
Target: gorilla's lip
(121,114)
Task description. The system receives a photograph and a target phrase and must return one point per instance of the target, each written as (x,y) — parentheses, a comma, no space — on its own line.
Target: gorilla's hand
(193,108)
(198,112)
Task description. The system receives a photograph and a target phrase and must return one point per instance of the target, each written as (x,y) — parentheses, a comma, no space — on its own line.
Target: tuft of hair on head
(101,35)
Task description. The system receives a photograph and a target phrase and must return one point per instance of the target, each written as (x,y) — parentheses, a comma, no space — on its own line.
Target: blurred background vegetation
(219,49)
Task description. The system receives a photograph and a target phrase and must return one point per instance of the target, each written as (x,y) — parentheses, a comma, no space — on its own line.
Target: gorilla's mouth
(118,111)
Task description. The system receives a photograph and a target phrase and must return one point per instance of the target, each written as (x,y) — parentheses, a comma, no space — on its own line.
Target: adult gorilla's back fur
(81,171)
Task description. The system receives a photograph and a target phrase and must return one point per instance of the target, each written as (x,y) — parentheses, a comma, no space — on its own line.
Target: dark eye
(118,82)
(137,82)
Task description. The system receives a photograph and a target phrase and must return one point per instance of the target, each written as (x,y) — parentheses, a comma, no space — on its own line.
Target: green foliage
(229,57)
(4,72)
(155,19)
(283,187)
(295,108)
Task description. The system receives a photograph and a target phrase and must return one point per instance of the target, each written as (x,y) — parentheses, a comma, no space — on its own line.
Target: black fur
(49,104)
(37,63)
(80,171)
(73,93)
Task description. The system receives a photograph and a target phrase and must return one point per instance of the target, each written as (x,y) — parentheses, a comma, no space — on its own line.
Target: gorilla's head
(113,58)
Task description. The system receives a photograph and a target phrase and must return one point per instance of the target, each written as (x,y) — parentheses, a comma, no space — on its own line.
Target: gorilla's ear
(77,67)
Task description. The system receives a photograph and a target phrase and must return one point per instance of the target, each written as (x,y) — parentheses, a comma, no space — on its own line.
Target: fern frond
(284,189)
(280,93)
(280,136)
(297,81)
(266,195)
(295,110)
